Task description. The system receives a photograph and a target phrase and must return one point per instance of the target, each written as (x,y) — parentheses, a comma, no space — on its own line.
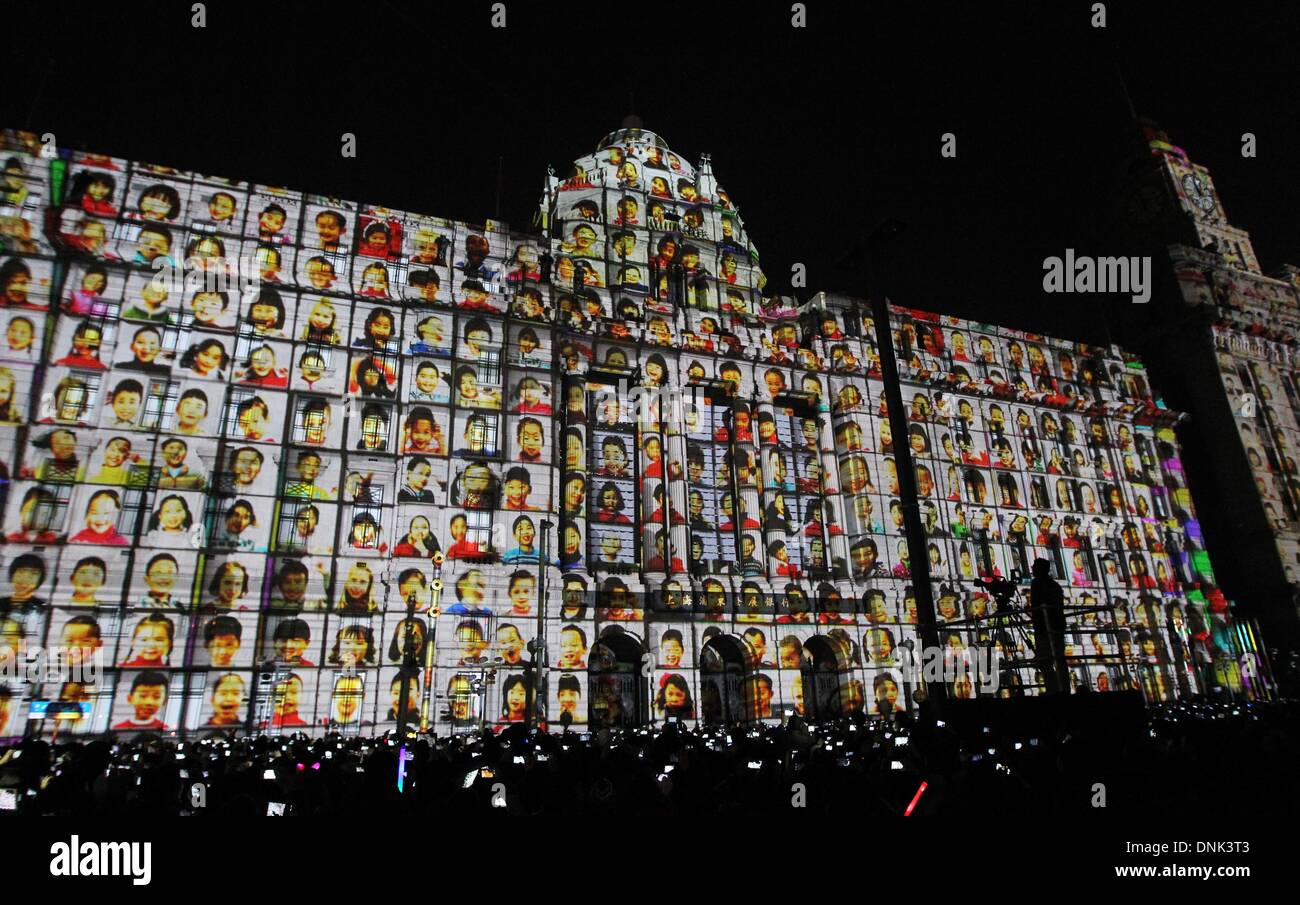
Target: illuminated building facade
(1221,339)
(604,445)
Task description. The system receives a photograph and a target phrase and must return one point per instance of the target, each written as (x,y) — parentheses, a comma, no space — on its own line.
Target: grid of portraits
(231,496)
(789,513)
(1028,448)
(231,490)
(1260,380)
(637,234)
(1256,322)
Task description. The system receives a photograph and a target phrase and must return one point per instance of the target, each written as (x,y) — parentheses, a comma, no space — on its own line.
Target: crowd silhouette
(1191,759)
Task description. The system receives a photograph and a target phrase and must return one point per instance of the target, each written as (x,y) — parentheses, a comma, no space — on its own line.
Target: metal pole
(916,547)
(539,639)
(737,521)
(408,665)
(430,645)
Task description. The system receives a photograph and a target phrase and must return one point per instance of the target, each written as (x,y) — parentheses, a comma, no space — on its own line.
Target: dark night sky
(818,134)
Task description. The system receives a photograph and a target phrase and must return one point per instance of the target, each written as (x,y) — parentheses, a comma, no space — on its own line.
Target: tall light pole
(408,667)
(430,646)
(919,560)
(538,645)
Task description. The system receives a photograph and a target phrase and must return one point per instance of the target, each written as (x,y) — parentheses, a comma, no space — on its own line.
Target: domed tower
(657,293)
(636,230)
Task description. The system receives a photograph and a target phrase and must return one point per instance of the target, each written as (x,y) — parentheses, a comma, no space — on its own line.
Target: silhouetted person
(1047,610)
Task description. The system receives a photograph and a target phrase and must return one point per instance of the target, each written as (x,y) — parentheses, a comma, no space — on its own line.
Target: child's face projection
(206,306)
(222,649)
(253,421)
(25,581)
(615,459)
(373,431)
(63,445)
(524,534)
(477,480)
(417,476)
(161,577)
(517,490)
(191,411)
(271,221)
(151,643)
(471,643)
(610,546)
(231,586)
(293,585)
(421,433)
(363,535)
(126,404)
(246,466)
(352,649)
(20,335)
(171,516)
(93,235)
(238,520)
(102,515)
(530,439)
(426,380)
(521,595)
(432,333)
(147,700)
(263,314)
(152,245)
(154,294)
(208,359)
(81,642)
(329,229)
(98,190)
(358,582)
(221,207)
(381,328)
(413,587)
(291,649)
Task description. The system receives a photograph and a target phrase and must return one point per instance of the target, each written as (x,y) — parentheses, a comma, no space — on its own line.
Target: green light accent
(58,180)
(1201,561)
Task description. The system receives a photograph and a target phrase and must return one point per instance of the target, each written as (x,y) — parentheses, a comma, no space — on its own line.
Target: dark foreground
(1197,760)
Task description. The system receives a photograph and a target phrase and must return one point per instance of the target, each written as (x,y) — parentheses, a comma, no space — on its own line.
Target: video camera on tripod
(1002,589)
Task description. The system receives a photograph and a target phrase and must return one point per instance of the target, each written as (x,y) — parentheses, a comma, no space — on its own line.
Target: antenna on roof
(497,215)
(1123,87)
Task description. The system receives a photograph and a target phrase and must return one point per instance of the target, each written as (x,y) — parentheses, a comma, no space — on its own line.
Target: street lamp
(408,666)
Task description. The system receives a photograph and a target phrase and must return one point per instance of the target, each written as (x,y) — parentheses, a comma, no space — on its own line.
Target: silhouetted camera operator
(1047,612)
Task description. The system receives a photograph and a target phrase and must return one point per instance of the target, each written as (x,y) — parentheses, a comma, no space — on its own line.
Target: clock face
(1199,192)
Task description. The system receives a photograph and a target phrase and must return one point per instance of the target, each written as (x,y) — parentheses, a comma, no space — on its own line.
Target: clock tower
(1220,338)
(1170,199)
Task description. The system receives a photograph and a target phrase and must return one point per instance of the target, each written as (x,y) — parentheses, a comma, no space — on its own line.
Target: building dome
(636,229)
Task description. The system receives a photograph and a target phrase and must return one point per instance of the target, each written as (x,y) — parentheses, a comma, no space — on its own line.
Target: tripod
(1008,618)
